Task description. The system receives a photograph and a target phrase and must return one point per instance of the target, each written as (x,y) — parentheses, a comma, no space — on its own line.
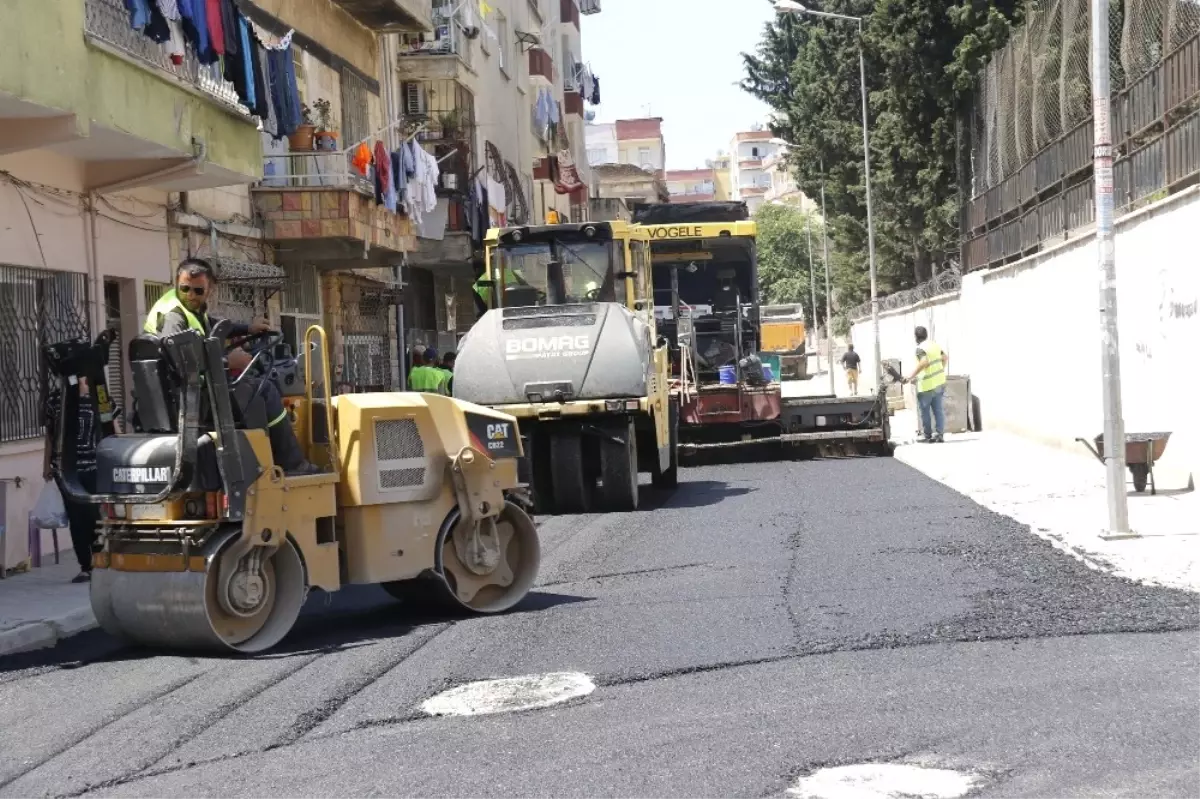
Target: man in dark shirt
(82,518)
(187,308)
(850,362)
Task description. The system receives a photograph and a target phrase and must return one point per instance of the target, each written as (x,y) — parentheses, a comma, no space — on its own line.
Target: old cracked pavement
(765,620)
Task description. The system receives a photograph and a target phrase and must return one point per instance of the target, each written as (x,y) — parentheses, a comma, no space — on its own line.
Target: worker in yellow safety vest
(424,376)
(186,307)
(930,377)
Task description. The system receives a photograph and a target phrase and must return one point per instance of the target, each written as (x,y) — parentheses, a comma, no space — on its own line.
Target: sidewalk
(1061,496)
(41,606)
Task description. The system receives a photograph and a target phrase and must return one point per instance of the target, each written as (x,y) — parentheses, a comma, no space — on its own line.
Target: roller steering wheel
(261,347)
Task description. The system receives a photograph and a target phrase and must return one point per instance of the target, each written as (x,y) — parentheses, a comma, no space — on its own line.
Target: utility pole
(812,283)
(862,77)
(1102,168)
(828,291)
(793,7)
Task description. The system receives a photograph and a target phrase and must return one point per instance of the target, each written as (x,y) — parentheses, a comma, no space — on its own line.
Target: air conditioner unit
(415,101)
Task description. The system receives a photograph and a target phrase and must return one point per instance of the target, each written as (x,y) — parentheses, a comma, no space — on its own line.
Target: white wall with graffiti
(1028,334)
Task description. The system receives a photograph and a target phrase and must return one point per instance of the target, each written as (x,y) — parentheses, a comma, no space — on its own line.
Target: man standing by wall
(850,362)
(930,377)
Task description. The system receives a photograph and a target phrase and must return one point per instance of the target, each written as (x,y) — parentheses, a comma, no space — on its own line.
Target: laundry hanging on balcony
(384,188)
(477,212)
(546,114)
(194,20)
(285,95)
(361,160)
(563,172)
(146,18)
(585,82)
(422,192)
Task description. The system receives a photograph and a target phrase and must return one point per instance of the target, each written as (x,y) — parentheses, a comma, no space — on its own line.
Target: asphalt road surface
(765,621)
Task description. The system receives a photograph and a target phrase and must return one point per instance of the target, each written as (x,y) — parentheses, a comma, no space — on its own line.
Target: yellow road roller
(206,544)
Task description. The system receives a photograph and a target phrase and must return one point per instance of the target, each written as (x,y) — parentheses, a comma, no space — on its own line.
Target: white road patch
(509,694)
(883,781)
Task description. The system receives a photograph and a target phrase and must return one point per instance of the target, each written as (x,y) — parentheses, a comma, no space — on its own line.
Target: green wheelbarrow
(1142,451)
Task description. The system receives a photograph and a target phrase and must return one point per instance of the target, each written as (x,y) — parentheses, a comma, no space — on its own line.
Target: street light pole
(812,285)
(862,76)
(792,7)
(828,292)
(1102,168)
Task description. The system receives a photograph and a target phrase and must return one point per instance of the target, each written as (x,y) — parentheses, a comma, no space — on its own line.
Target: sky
(695,48)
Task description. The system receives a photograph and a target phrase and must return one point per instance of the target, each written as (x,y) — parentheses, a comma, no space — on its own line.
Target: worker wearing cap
(424,377)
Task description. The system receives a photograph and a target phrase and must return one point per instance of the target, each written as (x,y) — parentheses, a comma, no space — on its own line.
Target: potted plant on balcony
(302,139)
(326,133)
(451,124)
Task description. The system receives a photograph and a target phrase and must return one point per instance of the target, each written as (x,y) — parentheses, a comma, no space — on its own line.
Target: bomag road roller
(205,543)
(568,346)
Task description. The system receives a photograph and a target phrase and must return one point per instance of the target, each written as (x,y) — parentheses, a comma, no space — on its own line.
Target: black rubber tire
(1140,472)
(542,473)
(619,468)
(572,489)
(667,479)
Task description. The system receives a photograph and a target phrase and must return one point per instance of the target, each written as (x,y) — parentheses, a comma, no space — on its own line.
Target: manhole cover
(883,781)
(509,694)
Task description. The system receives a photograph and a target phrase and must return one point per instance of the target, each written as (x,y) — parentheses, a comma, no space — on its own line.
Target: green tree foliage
(783,257)
(922,58)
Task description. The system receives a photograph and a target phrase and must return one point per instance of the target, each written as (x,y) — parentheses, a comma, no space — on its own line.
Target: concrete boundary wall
(1028,334)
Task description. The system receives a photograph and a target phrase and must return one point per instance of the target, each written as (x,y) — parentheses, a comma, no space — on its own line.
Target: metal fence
(107,21)
(37,307)
(942,283)
(1028,134)
(365,319)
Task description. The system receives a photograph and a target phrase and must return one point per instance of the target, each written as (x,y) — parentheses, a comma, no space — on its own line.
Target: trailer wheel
(669,478)
(618,468)
(573,489)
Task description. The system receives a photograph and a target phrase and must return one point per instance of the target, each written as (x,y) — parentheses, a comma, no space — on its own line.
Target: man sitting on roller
(186,307)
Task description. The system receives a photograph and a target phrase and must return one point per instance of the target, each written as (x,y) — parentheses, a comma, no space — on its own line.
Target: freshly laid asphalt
(763,621)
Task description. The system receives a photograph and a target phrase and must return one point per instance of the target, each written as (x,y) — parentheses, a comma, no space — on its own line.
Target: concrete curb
(43,634)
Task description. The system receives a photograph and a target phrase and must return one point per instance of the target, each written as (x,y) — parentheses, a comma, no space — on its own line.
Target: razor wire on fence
(1029,133)
(941,283)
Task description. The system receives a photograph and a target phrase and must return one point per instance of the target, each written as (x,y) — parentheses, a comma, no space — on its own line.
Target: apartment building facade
(783,188)
(629,158)
(498,91)
(127,144)
(691,185)
(748,152)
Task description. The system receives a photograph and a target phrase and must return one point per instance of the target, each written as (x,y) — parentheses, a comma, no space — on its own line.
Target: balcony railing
(106,22)
(589,6)
(331,170)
